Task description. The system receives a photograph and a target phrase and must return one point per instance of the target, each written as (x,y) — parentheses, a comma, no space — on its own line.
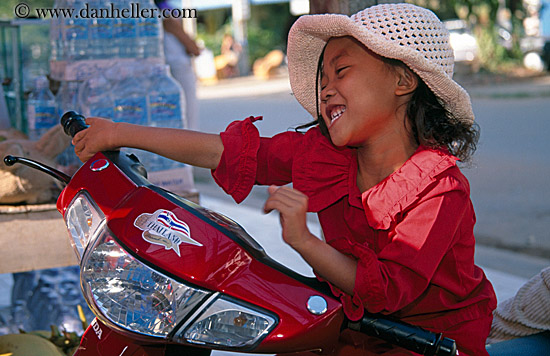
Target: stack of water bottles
(91,34)
(135,92)
(44,110)
(48,297)
(143,95)
(95,37)
(121,74)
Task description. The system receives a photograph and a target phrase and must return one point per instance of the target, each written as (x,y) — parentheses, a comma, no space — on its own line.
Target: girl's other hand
(326,261)
(292,206)
(98,137)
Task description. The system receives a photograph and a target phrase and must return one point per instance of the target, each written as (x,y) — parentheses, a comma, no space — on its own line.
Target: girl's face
(359,95)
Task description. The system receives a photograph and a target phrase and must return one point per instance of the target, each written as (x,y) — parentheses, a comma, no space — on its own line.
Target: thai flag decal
(165,229)
(169,219)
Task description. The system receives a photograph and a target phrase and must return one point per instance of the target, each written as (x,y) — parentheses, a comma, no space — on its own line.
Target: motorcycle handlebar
(405,335)
(73,123)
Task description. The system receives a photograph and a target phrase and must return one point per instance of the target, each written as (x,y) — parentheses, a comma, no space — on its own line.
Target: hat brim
(309,35)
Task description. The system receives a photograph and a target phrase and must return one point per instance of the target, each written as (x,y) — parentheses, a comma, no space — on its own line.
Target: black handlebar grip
(405,335)
(10,160)
(73,122)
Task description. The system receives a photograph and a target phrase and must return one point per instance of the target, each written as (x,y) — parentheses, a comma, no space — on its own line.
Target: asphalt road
(509,182)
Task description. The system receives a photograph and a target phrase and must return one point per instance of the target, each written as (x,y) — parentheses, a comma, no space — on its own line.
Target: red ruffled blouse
(412,233)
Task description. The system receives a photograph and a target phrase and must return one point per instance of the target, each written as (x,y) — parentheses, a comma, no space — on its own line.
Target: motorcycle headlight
(228,324)
(83,220)
(131,295)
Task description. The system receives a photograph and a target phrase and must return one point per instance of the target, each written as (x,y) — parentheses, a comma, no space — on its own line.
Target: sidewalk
(497,87)
(244,87)
(478,86)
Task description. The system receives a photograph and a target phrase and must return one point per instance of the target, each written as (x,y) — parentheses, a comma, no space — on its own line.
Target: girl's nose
(327,92)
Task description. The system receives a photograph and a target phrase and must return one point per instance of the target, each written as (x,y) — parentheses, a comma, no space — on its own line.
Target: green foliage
(261,41)
(492,54)
(6,9)
(213,41)
(34,36)
(34,46)
(211,21)
(267,29)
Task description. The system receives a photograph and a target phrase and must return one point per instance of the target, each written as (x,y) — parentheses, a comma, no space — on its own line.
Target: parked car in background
(464,44)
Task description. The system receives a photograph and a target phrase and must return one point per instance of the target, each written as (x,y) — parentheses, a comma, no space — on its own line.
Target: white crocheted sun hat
(405,32)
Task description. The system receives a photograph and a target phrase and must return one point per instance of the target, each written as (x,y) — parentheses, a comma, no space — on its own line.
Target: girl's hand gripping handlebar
(73,123)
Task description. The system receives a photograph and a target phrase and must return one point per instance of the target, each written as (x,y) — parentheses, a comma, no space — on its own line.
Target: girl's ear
(407,81)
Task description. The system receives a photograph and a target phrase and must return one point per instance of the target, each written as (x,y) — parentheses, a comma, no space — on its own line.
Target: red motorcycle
(166,276)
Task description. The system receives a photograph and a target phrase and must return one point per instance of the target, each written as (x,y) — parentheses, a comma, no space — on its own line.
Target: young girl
(379,168)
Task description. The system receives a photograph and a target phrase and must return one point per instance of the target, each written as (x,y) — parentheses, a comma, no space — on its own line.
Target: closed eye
(339,70)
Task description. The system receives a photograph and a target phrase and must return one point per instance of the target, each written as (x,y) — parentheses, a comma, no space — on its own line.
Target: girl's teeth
(337,113)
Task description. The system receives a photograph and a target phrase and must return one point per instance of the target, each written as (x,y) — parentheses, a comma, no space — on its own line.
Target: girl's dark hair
(431,124)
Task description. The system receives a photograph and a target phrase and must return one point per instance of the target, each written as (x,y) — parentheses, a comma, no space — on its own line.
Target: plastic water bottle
(125,31)
(130,97)
(166,109)
(56,34)
(101,32)
(166,99)
(67,99)
(95,98)
(149,33)
(64,32)
(41,109)
(21,316)
(76,31)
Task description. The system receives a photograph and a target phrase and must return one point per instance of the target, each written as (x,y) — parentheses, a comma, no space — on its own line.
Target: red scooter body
(165,276)
(218,264)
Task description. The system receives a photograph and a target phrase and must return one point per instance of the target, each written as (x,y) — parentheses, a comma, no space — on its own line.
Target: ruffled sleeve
(249,159)
(309,161)
(236,171)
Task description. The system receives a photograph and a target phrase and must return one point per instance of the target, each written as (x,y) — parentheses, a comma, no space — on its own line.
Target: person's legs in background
(532,345)
(185,75)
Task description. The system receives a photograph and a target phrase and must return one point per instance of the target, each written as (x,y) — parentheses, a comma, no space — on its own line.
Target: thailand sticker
(165,229)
